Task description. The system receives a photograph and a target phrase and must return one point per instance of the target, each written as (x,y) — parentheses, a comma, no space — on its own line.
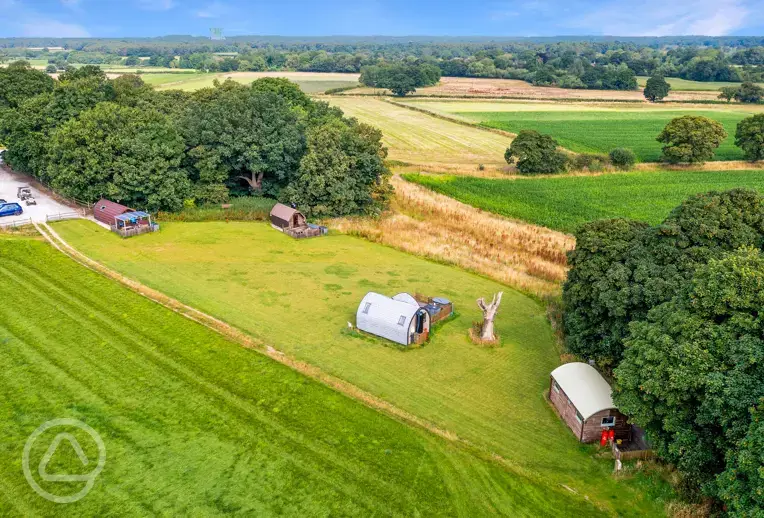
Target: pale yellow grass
(417,138)
(424,223)
(484,87)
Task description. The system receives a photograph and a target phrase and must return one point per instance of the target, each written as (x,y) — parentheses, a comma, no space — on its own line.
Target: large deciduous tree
(656,88)
(19,82)
(691,138)
(129,155)
(343,171)
(536,153)
(749,136)
(694,369)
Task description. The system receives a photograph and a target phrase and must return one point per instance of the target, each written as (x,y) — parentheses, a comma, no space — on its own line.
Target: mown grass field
(309,82)
(690,86)
(601,131)
(196,425)
(564,203)
(419,138)
(298,296)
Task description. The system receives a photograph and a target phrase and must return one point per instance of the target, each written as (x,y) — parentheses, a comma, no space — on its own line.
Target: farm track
(304,368)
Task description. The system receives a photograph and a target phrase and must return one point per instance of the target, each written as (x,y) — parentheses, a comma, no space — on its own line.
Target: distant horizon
(497,19)
(422,37)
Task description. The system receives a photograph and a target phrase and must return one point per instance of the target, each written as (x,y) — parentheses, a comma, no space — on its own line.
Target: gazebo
(133,223)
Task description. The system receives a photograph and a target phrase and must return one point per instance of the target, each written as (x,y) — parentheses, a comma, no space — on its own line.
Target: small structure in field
(399,319)
(122,219)
(584,399)
(292,222)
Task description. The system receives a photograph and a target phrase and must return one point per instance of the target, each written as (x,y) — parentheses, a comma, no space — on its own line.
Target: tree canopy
(656,88)
(536,153)
(749,136)
(691,138)
(400,78)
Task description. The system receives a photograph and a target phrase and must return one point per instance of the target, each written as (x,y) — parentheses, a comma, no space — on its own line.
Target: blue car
(10,209)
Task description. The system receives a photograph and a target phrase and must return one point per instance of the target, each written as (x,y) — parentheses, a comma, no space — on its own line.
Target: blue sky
(114,18)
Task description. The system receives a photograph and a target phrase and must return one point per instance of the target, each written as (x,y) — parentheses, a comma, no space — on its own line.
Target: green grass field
(196,425)
(298,296)
(601,131)
(565,202)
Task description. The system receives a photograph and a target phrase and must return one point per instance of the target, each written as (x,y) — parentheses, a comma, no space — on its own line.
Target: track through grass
(565,202)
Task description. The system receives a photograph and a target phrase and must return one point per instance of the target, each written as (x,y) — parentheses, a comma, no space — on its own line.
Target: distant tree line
(400,78)
(89,136)
(575,62)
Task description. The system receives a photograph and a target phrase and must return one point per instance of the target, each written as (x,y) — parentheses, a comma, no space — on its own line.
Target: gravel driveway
(46,205)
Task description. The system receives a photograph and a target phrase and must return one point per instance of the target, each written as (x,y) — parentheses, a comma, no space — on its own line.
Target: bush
(536,154)
(590,161)
(623,158)
(691,139)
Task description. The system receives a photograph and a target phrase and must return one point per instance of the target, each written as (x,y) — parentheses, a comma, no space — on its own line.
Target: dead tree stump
(487,334)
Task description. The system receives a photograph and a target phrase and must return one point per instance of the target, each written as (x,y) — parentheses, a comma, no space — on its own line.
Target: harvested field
(565,202)
(419,138)
(491,397)
(483,87)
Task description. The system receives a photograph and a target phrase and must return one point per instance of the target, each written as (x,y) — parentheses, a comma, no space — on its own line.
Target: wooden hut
(105,211)
(292,222)
(584,399)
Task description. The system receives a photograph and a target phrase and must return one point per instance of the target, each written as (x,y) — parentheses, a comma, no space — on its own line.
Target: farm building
(583,398)
(121,219)
(292,222)
(400,319)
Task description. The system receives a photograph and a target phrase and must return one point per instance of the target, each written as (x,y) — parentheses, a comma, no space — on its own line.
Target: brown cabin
(105,211)
(584,400)
(292,222)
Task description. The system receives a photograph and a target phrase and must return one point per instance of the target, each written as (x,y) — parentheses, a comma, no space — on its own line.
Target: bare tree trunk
(489,313)
(255,182)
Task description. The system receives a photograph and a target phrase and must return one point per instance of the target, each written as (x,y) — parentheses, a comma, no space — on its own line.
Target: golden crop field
(418,138)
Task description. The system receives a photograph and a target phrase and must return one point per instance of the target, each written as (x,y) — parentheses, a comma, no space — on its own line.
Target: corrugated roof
(385,317)
(585,387)
(135,214)
(281,211)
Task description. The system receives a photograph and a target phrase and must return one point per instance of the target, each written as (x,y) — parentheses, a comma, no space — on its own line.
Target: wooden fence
(62,216)
(621,456)
(16,223)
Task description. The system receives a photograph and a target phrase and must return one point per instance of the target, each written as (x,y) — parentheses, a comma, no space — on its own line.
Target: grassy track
(196,425)
(565,202)
(299,296)
(419,138)
(601,131)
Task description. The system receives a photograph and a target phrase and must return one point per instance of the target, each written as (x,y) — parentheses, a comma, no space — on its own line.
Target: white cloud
(156,5)
(662,17)
(213,10)
(52,28)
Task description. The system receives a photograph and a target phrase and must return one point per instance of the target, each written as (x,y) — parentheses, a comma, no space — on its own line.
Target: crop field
(193,424)
(565,202)
(419,138)
(601,130)
(276,288)
(309,82)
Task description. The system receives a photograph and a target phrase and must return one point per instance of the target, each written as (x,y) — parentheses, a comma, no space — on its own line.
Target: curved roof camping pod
(407,298)
(397,321)
(585,387)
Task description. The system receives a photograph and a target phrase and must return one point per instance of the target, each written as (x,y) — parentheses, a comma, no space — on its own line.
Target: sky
(120,18)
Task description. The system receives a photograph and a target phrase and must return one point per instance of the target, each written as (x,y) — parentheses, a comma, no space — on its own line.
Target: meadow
(691,86)
(196,425)
(298,295)
(309,82)
(419,138)
(565,202)
(600,131)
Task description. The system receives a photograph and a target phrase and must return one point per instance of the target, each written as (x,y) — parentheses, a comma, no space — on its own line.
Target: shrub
(691,138)
(623,158)
(590,161)
(536,154)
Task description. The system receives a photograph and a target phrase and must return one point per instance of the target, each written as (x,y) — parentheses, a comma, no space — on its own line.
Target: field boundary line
(245,340)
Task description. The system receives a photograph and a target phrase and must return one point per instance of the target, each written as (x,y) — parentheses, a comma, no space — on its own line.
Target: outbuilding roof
(385,317)
(282,211)
(585,387)
(132,215)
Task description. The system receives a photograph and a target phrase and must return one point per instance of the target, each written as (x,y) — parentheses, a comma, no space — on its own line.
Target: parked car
(24,192)
(10,209)
(31,201)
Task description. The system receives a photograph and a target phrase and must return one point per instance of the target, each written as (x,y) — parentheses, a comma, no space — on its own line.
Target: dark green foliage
(400,78)
(728,93)
(51,69)
(623,158)
(709,69)
(597,293)
(536,154)
(656,88)
(590,161)
(741,486)
(128,155)
(19,82)
(750,137)
(749,93)
(342,172)
(691,138)
(634,270)
(694,369)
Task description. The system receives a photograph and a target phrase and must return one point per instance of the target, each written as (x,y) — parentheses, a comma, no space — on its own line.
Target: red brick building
(584,399)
